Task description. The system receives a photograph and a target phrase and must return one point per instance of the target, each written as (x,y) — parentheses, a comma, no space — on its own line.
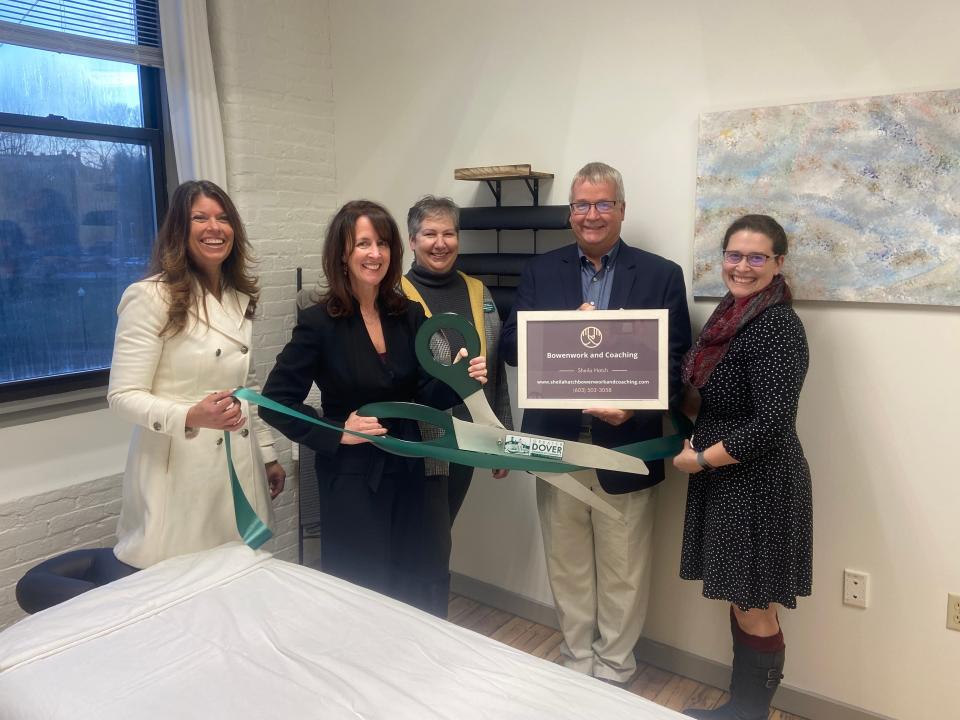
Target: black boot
(753,682)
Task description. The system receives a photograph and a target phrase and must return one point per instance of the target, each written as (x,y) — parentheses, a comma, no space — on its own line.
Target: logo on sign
(533,447)
(591,337)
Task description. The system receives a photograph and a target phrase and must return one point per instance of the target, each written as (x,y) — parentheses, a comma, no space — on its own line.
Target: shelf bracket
(495,188)
(534,190)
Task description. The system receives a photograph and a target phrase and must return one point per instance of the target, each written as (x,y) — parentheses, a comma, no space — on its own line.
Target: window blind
(121,30)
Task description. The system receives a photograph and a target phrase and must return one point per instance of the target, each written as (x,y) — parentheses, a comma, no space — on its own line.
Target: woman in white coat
(183,344)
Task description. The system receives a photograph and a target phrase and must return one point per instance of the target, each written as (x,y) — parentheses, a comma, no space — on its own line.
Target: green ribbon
(253,531)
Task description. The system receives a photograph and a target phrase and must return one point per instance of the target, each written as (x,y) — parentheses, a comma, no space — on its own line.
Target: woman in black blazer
(357,345)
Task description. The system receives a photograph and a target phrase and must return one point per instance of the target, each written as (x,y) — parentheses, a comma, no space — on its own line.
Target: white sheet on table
(233,633)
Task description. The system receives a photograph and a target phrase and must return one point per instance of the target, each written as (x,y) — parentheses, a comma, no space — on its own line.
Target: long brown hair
(172,262)
(338,244)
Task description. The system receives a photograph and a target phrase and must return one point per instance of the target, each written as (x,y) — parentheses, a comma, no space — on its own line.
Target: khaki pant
(599,570)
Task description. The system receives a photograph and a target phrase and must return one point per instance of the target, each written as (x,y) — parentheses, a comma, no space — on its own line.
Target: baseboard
(793,700)
(510,602)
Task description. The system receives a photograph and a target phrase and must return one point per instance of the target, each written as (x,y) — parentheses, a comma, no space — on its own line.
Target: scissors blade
(570,484)
(483,438)
(480,409)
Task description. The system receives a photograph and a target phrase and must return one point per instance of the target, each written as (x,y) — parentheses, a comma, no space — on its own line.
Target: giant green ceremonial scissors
(485,442)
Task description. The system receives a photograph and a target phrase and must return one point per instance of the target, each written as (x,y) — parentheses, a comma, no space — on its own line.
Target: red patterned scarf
(726,321)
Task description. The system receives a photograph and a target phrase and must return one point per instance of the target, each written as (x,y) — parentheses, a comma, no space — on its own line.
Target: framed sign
(604,358)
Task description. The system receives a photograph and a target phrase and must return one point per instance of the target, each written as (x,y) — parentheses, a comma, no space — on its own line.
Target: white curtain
(192,92)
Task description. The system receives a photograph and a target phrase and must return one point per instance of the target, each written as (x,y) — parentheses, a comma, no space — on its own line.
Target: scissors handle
(455,375)
(413,411)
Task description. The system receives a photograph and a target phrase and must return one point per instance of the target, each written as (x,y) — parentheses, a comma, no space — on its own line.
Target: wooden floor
(660,686)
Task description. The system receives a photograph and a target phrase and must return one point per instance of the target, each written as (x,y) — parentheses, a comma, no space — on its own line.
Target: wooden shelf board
(499,172)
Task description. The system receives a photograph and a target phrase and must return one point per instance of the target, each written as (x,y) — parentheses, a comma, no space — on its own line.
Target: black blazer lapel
(366,371)
(360,358)
(624,276)
(569,279)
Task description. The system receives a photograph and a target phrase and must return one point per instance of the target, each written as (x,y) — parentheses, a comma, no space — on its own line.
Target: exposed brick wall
(275,84)
(37,527)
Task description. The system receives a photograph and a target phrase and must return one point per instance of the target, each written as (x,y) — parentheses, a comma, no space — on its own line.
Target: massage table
(235,633)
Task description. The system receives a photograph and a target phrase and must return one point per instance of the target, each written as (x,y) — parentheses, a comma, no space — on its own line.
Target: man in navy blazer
(599,568)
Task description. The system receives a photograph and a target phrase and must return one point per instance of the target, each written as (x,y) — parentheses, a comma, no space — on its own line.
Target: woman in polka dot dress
(748,528)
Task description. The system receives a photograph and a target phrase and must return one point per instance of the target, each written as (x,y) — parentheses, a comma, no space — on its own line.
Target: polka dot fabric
(748,531)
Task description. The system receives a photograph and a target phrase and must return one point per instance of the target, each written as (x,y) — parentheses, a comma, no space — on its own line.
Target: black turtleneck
(443,292)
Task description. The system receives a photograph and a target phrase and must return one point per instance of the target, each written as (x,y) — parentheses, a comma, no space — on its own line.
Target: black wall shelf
(506,267)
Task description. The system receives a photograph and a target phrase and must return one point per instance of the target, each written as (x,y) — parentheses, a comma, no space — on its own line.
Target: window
(81,182)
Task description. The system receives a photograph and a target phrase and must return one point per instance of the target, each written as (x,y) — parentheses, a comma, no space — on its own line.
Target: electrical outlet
(855,585)
(953,612)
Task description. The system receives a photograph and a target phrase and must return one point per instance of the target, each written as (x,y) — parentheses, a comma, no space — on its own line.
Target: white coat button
(219,441)
(244,432)
(244,349)
(218,352)
(157,426)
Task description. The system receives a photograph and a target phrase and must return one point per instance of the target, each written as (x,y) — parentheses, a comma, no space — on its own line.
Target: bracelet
(702,462)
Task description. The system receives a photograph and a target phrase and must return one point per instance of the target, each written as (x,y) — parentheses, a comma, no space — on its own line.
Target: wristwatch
(702,462)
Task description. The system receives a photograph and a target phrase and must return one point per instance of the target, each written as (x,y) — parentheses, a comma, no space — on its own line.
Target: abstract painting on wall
(868,191)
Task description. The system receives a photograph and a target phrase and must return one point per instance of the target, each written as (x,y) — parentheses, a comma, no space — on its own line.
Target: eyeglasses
(603,206)
(732,257)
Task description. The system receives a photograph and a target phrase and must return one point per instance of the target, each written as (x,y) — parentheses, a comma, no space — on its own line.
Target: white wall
(43,456)
(424,87)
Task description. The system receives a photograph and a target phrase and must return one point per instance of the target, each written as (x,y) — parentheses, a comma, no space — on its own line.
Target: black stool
(65,576)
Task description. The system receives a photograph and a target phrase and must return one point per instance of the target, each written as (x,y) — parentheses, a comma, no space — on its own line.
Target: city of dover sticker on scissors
(484,442)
